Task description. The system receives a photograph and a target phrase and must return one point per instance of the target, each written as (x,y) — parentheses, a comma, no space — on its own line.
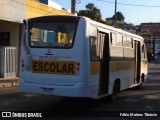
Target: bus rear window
(52,34)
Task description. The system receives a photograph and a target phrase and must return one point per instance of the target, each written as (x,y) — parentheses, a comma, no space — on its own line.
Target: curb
(9,82)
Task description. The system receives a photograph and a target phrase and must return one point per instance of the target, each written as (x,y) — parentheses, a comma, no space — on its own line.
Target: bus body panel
(77,90)
(87,81)
(126,75)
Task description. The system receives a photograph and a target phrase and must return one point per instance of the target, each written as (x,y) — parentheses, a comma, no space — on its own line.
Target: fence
(8,62)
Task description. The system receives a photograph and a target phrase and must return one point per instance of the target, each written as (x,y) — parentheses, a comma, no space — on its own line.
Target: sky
(134,11)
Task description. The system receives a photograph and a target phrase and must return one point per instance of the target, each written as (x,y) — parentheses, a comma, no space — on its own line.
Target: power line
(135,5)
(47,12)
(29,5)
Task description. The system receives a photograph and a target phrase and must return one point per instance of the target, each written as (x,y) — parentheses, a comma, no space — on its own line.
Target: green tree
(119,16)
(92,12)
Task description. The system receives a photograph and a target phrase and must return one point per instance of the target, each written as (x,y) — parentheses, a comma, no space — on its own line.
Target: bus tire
(141,82)
(142,77)
(115,91)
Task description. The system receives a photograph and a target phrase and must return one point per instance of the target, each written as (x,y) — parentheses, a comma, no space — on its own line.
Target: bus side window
(94,48)
(128,42)
(119,39)
(113,39)
(143,51)
(124,41)
(101,37)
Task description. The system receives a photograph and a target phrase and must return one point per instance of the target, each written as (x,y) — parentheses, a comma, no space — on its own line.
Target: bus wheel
(142,77)
(115,91)
(142,80)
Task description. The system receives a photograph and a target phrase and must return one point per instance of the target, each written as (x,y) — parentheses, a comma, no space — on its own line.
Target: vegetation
(95,14)
(92,12)
(119,16)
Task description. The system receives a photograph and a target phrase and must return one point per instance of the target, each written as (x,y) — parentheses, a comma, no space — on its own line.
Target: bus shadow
(81,104)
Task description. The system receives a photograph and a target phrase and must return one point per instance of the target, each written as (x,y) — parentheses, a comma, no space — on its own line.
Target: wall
(54,5)
(13,10)
(13,29)
(43,1)
(12,13)
(35,9)
(17,10)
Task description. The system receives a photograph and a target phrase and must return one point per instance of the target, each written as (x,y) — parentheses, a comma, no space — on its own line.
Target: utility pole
(115,14)
(73,6)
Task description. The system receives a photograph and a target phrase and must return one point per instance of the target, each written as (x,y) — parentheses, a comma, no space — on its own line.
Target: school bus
(77,57)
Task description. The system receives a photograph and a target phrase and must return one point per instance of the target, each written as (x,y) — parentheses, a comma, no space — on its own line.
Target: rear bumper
(78,90)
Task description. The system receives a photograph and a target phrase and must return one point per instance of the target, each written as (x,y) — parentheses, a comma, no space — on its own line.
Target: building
(111,21)
(51,3)
(127,27)
(151,32)
(12,13)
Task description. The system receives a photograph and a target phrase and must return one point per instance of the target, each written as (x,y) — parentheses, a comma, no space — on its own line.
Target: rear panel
(53,62)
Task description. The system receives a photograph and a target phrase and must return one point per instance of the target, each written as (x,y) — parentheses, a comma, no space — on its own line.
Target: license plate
(49,91)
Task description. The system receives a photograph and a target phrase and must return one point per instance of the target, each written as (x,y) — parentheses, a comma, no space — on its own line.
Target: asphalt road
(133,100)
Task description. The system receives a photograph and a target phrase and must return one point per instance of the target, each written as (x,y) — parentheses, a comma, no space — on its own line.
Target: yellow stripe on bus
(95,67)
(115,66)
(144,64)
(118,66)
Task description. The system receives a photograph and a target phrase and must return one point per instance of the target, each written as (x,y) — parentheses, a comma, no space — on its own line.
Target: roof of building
(126,25)
(149,24)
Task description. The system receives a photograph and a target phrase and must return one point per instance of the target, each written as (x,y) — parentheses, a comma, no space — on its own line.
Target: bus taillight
(78,64)
(78,68)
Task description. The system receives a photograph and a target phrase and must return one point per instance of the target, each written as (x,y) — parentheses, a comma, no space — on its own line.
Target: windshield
(52,34)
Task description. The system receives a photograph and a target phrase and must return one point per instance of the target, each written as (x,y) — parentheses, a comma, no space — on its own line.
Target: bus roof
(95,23)
(111,28)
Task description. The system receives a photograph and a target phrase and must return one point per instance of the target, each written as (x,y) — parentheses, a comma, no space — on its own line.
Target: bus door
(137,62)
(104,63)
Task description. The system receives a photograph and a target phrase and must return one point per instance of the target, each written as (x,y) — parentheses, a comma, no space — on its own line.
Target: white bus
(78,57)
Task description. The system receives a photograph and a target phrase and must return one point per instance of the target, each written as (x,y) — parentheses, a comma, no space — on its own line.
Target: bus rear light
(78,63)
(78,68)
